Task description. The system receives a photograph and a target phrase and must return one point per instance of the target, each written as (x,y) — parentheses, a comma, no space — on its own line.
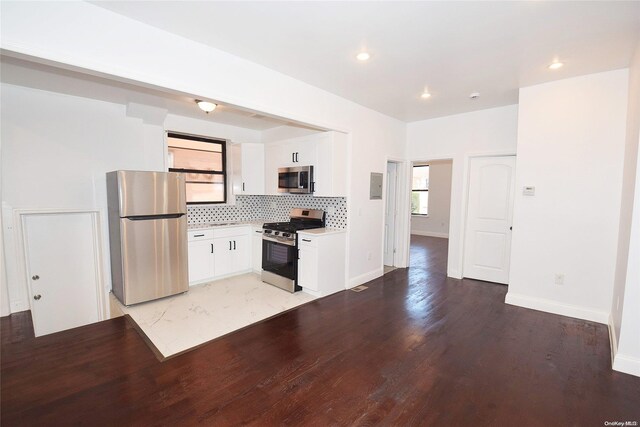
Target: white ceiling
(453,48)
(44,77)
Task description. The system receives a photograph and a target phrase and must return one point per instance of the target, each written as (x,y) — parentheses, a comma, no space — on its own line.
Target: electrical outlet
(559,279)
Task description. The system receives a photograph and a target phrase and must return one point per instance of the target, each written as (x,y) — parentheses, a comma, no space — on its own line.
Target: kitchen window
(203,161)
(420,190)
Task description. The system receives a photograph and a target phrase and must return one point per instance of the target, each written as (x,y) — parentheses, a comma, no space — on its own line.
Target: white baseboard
(627,364)
(364,278)
(430,234)
(554,307)
(451,272)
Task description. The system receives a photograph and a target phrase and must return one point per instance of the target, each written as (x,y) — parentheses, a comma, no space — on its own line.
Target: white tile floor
(209,311)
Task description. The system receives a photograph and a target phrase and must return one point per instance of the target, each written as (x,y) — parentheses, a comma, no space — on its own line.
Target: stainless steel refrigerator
(147,234)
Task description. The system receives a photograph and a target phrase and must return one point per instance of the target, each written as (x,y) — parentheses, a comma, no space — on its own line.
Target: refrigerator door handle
(150,217)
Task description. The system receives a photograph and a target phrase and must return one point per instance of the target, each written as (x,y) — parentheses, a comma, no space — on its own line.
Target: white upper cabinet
(248,162)
(325,151)
(330,172)
(299,152)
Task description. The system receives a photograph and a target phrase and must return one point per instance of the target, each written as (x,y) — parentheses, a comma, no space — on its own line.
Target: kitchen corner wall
(273,208)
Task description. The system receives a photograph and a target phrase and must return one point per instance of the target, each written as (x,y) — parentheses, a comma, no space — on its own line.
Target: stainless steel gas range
(280,247)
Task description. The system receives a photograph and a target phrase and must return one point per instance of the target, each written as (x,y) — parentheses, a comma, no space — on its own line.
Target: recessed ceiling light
(555,65)
(363,56)
(474,95)
(425,95)
(205,106)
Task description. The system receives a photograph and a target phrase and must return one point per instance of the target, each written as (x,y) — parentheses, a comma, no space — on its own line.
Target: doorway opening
(430,207)
(391,217)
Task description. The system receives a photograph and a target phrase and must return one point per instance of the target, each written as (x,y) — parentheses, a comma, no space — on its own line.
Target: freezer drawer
(154,258)
(135,193)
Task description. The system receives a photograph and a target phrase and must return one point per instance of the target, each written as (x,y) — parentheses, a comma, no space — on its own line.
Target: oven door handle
(279,240)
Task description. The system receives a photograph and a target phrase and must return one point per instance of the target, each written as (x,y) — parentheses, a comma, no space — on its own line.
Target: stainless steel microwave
(296,180)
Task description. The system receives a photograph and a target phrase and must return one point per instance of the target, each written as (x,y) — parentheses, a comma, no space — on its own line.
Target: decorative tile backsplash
(274,208)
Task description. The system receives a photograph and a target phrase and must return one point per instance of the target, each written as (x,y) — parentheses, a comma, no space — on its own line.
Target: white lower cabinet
(256,249)
(308,268)
(321,264)
(200,260)
(231,254)
(218,253)
(225,251)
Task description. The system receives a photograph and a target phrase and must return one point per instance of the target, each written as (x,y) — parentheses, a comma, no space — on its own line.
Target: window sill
(420,215)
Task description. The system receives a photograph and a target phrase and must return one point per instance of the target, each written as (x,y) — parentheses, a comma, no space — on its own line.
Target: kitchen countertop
(321,231)
(259,223)
(252,223)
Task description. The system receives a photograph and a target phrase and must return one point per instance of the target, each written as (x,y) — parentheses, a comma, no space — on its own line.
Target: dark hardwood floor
(416,348)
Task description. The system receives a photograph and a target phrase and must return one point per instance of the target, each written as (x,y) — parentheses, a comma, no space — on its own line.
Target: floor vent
(359,288)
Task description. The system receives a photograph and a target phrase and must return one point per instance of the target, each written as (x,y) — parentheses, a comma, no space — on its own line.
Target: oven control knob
(267,231)
(286,235)
(276,233)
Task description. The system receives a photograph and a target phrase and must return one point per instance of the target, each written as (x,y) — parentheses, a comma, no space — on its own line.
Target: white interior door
(487,248)
(61,267)
(390,216)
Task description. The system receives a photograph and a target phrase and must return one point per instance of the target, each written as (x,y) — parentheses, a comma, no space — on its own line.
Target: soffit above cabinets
(150,105)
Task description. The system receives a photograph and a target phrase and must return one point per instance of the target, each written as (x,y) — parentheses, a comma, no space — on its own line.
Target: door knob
(35,277)
(37,297)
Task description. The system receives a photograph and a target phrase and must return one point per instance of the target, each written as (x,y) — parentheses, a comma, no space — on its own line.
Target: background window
(203,161)
(420,190)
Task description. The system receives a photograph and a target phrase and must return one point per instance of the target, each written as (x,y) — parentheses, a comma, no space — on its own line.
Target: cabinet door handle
(229,244)
(293,157)
(243,186)
(234,245)
(258,231)
(212,248)
(198,235)
(298,253)
(297,160)
(313,186)
(306,240)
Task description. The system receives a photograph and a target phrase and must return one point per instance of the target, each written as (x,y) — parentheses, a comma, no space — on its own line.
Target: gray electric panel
(375,186)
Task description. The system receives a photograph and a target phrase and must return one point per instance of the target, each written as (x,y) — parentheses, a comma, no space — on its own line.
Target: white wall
(4,289)
(285,132)
(571,136)
(55,152)
(82,36)
(625,316)
(484,132)
(207,127)
(436,223)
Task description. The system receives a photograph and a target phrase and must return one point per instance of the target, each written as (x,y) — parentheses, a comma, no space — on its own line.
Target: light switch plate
(528,191)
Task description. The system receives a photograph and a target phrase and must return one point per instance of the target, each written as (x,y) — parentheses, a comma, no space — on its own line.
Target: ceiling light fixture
(425,95)
(206,106)
(363,56)
(555,65)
